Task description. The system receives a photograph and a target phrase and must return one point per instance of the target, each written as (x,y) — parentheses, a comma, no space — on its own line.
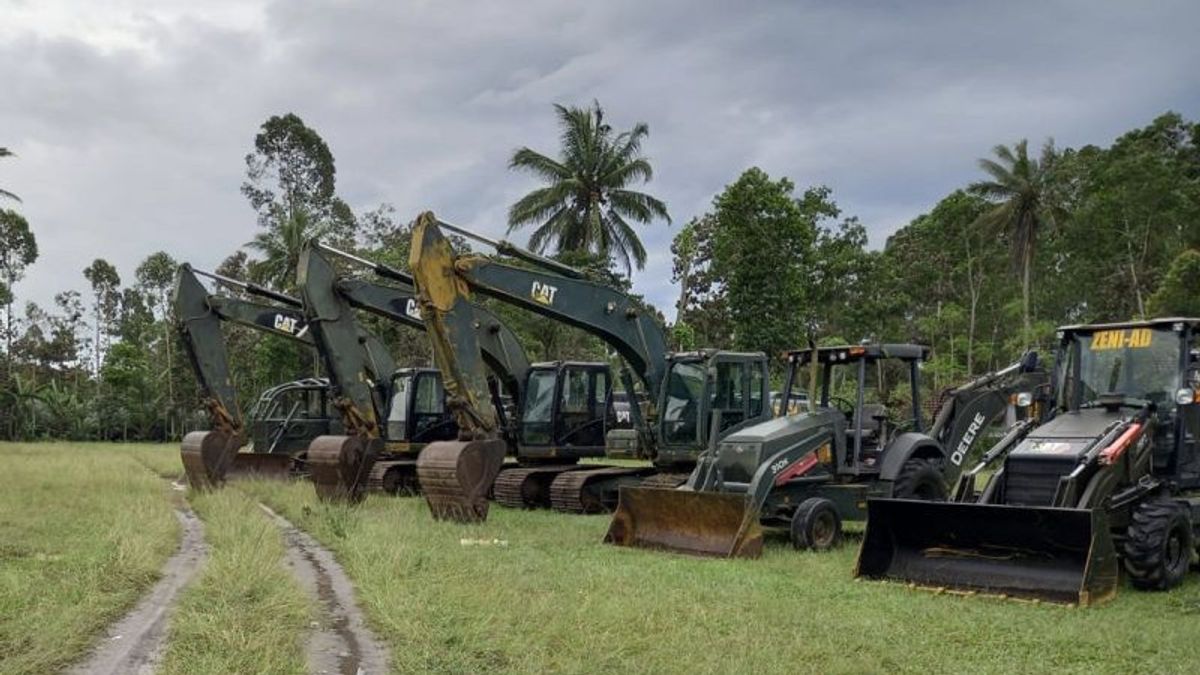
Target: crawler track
(528,487)
(591,490)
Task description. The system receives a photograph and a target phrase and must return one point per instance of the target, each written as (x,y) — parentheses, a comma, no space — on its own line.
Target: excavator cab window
(431,421)
(582,401)
(681,413)
(1140,363)
(727,394)
(537,414)
(397,422)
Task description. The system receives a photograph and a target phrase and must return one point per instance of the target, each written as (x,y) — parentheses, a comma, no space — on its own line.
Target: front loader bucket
(339,466)
(456,476)
(207,456)
(260,465)
(1052,554)
(685,521)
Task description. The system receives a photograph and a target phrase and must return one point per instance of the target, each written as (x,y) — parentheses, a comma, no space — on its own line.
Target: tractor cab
(699,385)
(564,410)
(417,410)
(861,383)
(286,417)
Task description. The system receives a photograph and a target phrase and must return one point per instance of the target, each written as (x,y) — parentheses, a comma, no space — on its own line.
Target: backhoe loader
(811,470)
(1111,480)
(684,386)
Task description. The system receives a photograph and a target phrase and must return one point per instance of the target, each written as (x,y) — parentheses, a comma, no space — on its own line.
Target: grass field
(540,594)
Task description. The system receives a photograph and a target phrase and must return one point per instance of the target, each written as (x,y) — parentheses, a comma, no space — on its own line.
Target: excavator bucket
(1051,554)
(456,476)
(260,465)
(339,466)
(684,521)
(207,456)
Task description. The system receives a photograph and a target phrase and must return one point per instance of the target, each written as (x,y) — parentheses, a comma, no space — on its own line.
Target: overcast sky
(131,119)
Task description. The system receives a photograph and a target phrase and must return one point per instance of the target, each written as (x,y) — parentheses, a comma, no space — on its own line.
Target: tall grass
(82,536)
(245,613)
(553,599)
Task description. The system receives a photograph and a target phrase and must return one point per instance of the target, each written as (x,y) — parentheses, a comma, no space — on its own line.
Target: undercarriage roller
(1051,554)
(455,477)
(207,456)
(684,521)
(339,466)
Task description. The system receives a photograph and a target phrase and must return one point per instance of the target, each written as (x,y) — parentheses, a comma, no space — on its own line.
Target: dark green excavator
(285,417)
(683,388)
(1112,478)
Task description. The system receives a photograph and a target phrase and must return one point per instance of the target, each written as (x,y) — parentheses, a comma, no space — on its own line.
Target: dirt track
(340,641)
(135,644)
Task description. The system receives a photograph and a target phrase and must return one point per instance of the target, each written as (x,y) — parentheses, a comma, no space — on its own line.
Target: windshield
(1141,363)
(537,415)
(398,410)
(685,385)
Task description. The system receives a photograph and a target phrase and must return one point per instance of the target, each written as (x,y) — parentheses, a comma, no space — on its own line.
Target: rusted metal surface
(456,477)
(207,456)
(395,477)
(339,466)
(696,523)
(528,487)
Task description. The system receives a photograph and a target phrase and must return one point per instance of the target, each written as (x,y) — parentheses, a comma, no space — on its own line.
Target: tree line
(1036,240)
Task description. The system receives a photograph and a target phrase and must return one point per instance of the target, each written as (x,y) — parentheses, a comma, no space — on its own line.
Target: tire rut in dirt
(340,641)
(136,643)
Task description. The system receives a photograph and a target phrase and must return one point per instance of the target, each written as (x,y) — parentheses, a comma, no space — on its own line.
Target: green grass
(555,600)
(83,532)
(244,613)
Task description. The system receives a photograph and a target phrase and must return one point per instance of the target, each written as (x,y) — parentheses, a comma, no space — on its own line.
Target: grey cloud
(125,151)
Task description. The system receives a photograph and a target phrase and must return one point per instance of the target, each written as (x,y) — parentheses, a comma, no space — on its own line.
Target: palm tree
(1021,188)
(585,205)
(5,152)
(280,247)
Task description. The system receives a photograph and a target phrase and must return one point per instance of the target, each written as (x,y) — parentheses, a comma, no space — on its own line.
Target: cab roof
(1144,323)
(847,353)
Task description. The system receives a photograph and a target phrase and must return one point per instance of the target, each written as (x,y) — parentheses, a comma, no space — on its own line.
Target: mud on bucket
(685,521)
(455,477)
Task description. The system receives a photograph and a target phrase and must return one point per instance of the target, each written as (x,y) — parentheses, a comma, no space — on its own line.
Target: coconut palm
(5,152)
(1021,188)
(586,205)
(280,247)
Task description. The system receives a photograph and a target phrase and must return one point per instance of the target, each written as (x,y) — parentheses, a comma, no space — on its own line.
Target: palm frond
(538,164)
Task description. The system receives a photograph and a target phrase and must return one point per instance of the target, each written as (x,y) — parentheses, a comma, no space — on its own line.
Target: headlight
(1184,396)
(1024,399)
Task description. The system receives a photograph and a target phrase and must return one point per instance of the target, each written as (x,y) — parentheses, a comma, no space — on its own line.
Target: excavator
(1110,480)
(683,387)
(553,412)
(284,416)
(809,471)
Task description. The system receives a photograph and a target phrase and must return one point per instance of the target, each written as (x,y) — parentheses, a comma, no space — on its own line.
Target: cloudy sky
(131,118)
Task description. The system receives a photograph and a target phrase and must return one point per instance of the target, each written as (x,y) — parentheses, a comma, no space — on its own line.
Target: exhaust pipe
(1041,553)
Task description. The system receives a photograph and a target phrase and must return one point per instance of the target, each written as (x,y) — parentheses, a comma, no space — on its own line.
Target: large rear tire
(816,525)
(920,479)
(1158,544)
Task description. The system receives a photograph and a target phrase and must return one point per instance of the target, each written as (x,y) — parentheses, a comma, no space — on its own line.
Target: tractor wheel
(919,479)
(816,525)
(1158,544)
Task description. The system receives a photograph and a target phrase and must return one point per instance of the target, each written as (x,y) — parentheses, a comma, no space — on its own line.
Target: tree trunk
(1028,255)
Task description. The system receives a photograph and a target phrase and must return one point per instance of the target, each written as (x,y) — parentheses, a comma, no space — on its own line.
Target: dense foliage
(1077,234)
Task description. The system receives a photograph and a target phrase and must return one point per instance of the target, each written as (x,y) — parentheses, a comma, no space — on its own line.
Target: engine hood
(1068,434)
(785,428)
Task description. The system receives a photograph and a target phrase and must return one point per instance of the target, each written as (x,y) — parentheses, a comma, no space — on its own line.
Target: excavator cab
(285,418)
(417,410)
(564,410)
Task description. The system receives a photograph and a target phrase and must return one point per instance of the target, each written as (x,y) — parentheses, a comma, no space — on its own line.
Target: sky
(131,120)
